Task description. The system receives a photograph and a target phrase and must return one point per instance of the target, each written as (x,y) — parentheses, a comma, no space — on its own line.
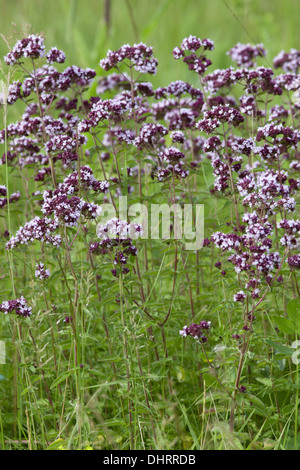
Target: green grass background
(80,28)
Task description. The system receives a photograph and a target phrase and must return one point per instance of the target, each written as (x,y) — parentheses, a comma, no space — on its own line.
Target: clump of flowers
(3,197)
(117,242)
(294,261)
(288,61)
(40,271)
(187,51)
(243,54)
(195,330)
(240,296)
(36,229)
(18,306)
(139,55)
(33,47)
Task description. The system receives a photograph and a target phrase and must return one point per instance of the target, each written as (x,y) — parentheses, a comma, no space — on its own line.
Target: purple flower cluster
(19,306)
(36,229)
(32,46)
(149,135)
(111,109)
(55,55)
(294,261)
(217,115)
(254,80)
(120,229)
(195,330)
(68,210)
(288,61)
(117,242)
(243,54)
(83,180)
(139,55)
(239,296)
(40,271)
(3,197)
(187,52)
(173,158)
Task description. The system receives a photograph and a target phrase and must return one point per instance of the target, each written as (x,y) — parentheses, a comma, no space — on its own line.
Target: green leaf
(260,407)
(63,377)
(284,324)
(285,350)
(210,380)
(293,311)
(265,381)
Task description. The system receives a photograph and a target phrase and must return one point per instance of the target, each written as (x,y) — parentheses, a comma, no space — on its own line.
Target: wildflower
(14,92)
(192,44)
(236,336)
(40,271)
(107,109)
(55,55)
(64,143)
(66,209)
(294,261)
(288,61)
(32,46)
(178,136)
(240,296)
(224,114)
(68,319)
(243,54)
(149,135)
(139,55)
(36,229)
(19,306)
(196,331)
(116,237)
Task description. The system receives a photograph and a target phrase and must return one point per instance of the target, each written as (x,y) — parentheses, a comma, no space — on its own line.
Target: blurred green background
(85,29)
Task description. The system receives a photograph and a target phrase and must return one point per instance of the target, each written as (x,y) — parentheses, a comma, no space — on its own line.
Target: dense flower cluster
(253,80)
(119,229)
(36,229)
(19,306)
(32,46)
(55,55)
(294,261)
(195,330)
(139,55)
(187,51)
(40,271)
(84,180)
(243,54)
(66,209)
(288,61)
(116,240)
(3,196)
(149,134)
